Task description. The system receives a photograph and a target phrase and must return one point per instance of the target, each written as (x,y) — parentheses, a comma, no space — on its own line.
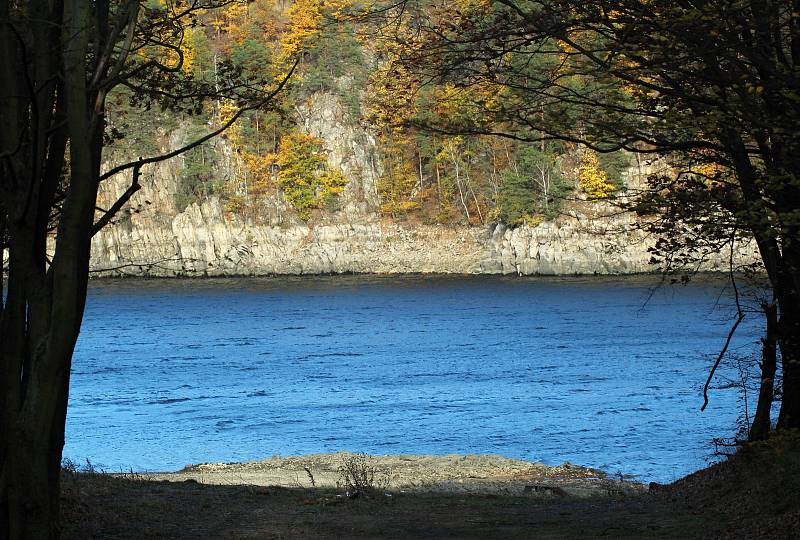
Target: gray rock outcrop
(203,240)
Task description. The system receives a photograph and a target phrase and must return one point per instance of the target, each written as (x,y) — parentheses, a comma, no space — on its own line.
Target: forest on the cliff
(273,162)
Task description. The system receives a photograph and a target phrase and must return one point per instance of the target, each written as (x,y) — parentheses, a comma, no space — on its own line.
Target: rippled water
(587,370)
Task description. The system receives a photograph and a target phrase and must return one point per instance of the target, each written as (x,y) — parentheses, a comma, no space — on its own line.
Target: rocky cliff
(153,237)
(203,240)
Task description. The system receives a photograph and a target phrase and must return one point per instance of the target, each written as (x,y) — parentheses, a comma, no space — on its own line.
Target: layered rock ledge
(204,241)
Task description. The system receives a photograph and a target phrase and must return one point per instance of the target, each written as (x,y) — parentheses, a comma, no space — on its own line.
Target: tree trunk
(761,422)
(59,61)
(787,292)
(781,257)
(789,341)
(44,306)
(35,396)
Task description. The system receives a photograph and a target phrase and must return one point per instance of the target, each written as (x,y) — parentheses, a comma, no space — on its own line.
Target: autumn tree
(419,114)
(593,179)
(307,181)
(708,88)
(61,62)
(262,39)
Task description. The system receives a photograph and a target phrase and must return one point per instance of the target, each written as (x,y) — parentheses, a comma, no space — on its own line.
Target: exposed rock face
(153,237)
(351,149)
(203,240)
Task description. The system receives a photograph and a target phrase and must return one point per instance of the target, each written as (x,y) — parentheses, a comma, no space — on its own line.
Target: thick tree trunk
(761,422)
(30,470)
(789,340)
(33,453)
(33,513)
(787,291)
(781,257)
(59,61)
(42,317)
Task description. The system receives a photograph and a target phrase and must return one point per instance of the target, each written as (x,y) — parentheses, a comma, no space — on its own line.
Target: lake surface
(172,372)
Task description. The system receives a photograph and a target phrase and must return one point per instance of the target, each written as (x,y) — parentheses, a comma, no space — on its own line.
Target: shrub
(359,477)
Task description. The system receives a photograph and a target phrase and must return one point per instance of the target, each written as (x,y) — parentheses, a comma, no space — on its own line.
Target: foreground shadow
(131,506)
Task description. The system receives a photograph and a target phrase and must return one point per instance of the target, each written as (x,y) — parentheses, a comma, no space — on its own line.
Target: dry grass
(758,489)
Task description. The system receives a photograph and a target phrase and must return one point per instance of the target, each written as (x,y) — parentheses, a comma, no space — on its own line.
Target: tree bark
(769,363)
(789,342)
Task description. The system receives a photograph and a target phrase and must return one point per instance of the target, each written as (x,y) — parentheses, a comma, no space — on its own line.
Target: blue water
(589,371)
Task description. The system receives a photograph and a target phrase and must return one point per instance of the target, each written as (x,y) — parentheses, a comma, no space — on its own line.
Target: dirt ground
(482,474)
(756,495)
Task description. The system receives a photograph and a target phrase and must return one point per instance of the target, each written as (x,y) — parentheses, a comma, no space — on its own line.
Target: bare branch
(138,164)
(739,320)
(155,159)
(120,202)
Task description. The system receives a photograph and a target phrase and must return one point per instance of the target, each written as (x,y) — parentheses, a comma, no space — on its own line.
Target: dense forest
(423,175)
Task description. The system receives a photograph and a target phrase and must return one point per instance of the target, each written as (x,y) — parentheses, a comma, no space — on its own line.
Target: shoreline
(704,275)
(754,494)
(476,474)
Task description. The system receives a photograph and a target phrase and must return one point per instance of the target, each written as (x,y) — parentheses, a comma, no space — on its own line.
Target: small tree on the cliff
(710,87)
(60,60)
(303,173)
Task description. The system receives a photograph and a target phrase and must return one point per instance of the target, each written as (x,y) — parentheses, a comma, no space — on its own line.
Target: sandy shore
(467,474)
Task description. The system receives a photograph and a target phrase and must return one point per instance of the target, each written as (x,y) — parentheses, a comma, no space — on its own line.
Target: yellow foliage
(392,96)
(259,167)
(228,19)
(306,18)
(451,148)
(458,104)
(593,179)
(332,183)
(470,106)
(225,111)
(304,176)
(532,221)
(167,54)
(710,171)
(398,183)
(188,50)
(464,5)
